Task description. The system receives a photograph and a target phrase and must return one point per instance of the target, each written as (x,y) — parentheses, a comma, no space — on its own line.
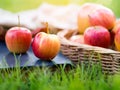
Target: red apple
(45,46)
(117,40)
(102,16)
(95,14)
(115,29)
(116,26)
(97,36)
(77,39)
(83,18)
(18,39)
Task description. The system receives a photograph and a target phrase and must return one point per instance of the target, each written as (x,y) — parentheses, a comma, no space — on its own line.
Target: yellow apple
(95,14)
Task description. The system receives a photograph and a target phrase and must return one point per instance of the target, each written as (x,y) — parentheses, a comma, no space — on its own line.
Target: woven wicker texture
(109,59)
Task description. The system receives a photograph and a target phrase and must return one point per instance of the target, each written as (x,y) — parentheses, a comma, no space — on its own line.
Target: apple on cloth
(18,39)
(45,45)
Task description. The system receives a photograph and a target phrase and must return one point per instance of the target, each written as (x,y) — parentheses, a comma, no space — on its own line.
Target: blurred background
(20,5)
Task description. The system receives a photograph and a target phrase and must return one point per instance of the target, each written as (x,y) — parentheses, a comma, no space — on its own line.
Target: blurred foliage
(112,4)
(20,5)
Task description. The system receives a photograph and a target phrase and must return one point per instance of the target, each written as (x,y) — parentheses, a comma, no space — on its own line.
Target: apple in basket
(115,29)
(18,39)
(102,16)
(77,39)
(94,14)
(83,19)
(97,36)
(117,40)
(45,46)
(116,26)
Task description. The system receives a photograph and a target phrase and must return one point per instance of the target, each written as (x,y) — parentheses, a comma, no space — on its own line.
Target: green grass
(79,78)
(20,5)
(60,77)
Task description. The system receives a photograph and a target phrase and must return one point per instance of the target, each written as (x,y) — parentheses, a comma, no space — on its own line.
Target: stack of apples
(97,26)
(44,45)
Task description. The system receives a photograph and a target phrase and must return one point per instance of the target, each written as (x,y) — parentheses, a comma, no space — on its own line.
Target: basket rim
(64,41)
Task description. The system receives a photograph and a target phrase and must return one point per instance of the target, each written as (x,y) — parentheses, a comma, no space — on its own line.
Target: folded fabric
(63,17)
(58,17)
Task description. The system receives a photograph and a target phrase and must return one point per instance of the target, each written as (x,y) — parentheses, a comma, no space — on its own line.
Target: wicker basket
(78,53)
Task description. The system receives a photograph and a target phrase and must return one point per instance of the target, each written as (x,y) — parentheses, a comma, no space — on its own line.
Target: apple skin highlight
(95,15)
(117,40)
(97,36)
(18,39)
(45,46)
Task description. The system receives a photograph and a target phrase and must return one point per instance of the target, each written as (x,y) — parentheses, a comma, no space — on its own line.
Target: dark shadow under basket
(78,53)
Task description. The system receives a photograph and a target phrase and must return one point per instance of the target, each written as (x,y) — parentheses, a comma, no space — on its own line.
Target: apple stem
(47,27)
(18,21)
